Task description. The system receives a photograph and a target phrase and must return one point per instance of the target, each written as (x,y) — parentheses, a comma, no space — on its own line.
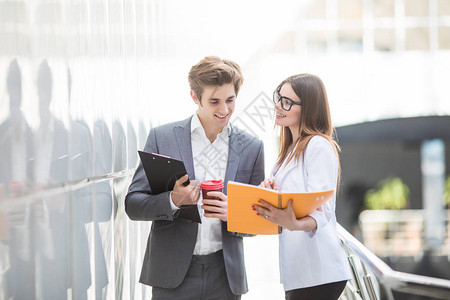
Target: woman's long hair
(315,118)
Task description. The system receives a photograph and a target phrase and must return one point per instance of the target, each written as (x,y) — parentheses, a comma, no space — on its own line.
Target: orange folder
(242,218)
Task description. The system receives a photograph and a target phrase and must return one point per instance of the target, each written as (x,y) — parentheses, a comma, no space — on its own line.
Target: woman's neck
(294,134)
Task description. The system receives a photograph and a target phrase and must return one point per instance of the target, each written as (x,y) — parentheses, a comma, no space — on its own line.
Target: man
(184,259)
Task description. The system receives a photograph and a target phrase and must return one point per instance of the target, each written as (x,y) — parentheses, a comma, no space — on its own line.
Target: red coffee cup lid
(212,184)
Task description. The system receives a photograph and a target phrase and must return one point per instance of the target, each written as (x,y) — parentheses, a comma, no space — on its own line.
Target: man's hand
(185,195)
(216,208)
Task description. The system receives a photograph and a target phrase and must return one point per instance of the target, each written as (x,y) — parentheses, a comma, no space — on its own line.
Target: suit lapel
(234,155)
(183,136)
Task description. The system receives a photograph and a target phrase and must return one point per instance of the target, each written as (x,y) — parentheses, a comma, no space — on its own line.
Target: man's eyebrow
(218,99)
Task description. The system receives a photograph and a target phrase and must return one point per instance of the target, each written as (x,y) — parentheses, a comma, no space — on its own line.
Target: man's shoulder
(170,126)
(246,136)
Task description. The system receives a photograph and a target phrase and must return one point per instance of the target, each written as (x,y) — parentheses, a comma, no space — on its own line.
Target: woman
(313,264)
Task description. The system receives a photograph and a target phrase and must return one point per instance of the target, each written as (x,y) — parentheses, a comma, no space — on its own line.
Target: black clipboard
(162,172)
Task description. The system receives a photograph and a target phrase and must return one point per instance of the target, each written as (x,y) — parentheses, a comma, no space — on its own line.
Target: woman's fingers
(266,204)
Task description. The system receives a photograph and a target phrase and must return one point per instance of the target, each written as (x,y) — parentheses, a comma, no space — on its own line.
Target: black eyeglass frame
(277,98)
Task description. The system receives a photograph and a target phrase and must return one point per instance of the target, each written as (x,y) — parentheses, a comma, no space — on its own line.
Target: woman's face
(289,118)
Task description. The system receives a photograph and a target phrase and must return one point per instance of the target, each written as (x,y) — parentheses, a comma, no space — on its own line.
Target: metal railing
(374,279)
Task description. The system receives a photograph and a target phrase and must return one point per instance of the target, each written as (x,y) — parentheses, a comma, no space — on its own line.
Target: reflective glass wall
(70,129)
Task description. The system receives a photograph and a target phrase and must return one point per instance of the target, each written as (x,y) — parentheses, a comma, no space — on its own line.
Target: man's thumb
(183,179)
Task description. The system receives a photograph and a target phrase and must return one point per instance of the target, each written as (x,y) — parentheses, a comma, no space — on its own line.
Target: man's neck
(211,131)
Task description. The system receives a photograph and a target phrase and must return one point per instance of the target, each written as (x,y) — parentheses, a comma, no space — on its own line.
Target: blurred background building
(82,82)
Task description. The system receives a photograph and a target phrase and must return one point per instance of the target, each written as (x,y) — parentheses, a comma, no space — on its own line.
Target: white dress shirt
(315,257)
(210,163)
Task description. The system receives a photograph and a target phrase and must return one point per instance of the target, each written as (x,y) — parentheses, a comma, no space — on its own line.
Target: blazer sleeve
(140,203)
(258,168)
(321,165)
(256,177)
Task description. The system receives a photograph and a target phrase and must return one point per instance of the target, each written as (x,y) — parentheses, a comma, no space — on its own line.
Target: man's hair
(214,71)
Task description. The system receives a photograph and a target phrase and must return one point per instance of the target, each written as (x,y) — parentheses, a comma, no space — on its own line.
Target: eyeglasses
(286,103)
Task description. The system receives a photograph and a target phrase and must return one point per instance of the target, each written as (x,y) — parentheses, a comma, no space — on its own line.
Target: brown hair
(214,71)
(315,117)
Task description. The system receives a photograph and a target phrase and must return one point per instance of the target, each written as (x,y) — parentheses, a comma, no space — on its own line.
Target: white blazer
(316,257)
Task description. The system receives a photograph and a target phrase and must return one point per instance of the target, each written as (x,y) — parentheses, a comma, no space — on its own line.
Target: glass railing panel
(373,279)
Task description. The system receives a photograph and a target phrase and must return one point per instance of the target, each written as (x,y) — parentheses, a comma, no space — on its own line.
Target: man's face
(216,106)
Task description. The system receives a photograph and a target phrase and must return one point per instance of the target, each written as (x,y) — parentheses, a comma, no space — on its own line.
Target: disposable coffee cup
(211,186)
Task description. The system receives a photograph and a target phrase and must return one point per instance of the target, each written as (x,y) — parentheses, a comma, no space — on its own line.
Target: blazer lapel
(234,155)
(183,137)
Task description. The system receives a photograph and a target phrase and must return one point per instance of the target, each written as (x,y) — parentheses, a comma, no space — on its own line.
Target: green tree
(447,192)
(391,193)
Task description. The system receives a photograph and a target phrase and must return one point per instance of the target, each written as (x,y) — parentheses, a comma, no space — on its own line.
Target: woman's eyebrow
(286,98)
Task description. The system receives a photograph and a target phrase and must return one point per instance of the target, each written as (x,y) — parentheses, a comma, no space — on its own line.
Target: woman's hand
(269,183)
(284,217)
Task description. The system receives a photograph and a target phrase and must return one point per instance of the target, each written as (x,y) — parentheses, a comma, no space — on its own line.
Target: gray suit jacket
(171,241)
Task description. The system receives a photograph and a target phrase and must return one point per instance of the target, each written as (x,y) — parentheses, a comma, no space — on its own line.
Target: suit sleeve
(322,170)
(140,203)
(256,177)
(258,168)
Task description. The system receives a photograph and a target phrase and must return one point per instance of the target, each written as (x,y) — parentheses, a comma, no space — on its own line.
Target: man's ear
(194,97)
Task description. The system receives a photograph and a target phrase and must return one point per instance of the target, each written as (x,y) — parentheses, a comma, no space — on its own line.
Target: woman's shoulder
(319,143)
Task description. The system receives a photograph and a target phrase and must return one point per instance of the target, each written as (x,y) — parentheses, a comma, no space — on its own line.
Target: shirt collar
(195,125)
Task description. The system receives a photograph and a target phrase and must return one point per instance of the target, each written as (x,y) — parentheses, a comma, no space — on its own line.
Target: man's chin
(223,124)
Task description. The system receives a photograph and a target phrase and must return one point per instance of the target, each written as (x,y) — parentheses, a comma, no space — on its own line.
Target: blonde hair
(214,71)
